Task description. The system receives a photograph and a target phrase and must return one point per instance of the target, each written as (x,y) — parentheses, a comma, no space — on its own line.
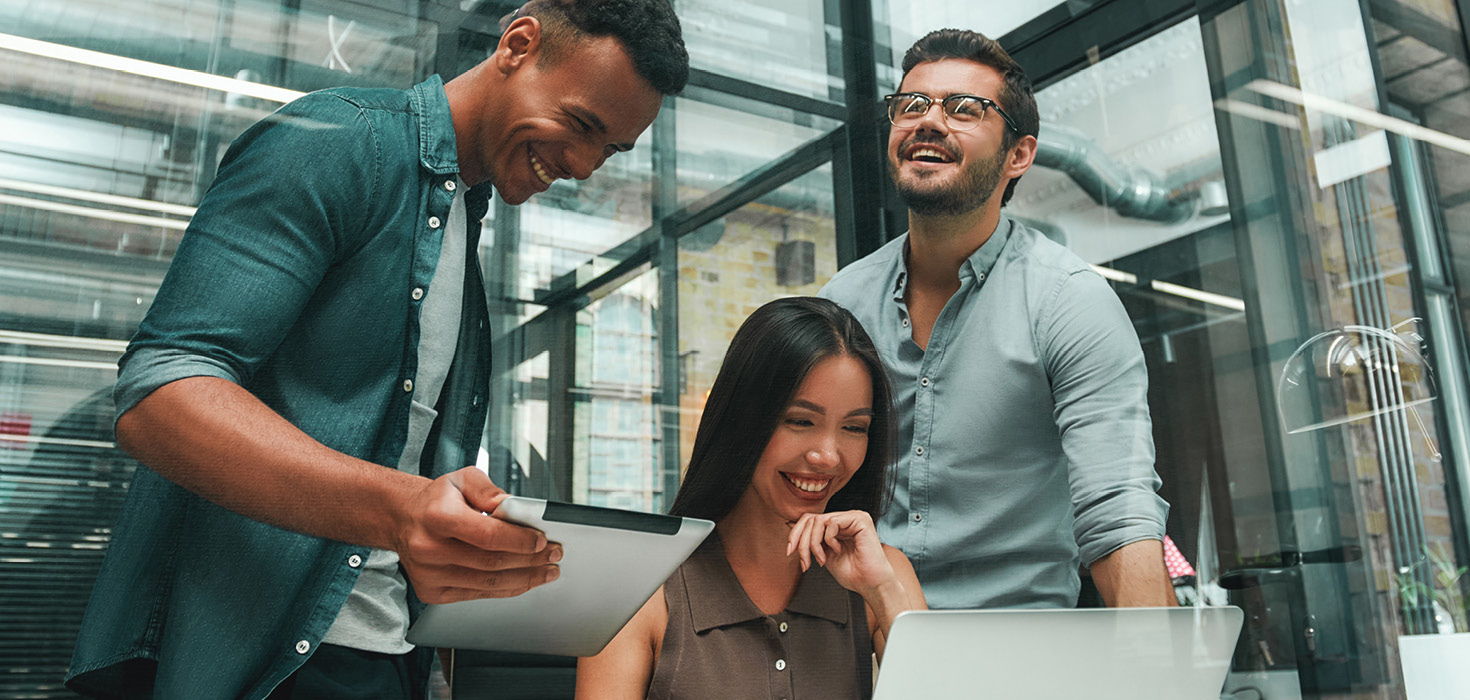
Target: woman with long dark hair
(793,592)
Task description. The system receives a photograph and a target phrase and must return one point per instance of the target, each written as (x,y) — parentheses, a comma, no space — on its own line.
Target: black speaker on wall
(796,263)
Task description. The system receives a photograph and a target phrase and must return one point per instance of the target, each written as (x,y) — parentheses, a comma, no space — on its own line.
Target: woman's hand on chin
(846,543)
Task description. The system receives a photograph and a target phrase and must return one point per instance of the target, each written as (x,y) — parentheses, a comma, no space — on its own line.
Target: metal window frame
(857,194)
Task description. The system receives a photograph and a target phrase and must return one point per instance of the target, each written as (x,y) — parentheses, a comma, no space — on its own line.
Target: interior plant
(1443,589)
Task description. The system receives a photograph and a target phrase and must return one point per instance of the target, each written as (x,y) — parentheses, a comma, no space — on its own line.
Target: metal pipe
(1128,190)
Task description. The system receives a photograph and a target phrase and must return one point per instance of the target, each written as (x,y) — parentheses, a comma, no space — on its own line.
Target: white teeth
(928,153)
(546,178)
(808,485)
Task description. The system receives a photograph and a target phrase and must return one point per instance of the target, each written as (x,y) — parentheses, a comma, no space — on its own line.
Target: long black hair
(769,357)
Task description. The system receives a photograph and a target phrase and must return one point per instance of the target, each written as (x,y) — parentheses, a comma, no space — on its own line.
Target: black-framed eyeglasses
(961,111)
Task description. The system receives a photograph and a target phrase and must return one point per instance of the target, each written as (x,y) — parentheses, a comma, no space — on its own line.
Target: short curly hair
(648,29)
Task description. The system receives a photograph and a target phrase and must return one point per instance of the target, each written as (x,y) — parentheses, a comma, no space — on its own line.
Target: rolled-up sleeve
(264,235)
(1100,390)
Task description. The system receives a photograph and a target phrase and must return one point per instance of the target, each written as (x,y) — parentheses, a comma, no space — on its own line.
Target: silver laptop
(613,561)
(1102,654)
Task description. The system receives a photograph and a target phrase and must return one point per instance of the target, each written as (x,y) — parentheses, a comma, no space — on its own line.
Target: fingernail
(540,542)
(556,553)
(553,573)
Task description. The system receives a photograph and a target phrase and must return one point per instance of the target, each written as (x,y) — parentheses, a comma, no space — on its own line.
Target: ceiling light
(100,198)
(1198,295)
(55,362)
(184,76)
(47,340)
(1177,290)
(1358,114)
(1116,275)
(93,212)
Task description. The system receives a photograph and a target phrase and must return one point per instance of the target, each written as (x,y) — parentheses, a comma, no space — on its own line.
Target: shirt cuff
(144,370)
(1101,540)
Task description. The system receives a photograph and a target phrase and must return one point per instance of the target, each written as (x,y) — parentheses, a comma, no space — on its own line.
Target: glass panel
(1271,285)
(776,43)
(783,244)
(568,235)
(1420,49)
(515,450)
(899,23)
(719,144)
(1269,269)
(616,445)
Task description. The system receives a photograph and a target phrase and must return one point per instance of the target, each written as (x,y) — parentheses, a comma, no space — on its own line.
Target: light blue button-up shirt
(1024,440)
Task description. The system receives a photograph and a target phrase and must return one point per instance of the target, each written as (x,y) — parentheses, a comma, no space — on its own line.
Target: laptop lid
(1098,654)
(613,561)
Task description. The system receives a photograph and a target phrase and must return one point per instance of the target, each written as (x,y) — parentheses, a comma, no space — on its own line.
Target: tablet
(612,562)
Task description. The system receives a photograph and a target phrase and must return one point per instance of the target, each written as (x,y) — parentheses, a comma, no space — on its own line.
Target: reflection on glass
(1111,181)
(568,233)
(1352,373)
(783,244)
(616,444)
(114,118)
(717,145)
(907,21)
(778,43)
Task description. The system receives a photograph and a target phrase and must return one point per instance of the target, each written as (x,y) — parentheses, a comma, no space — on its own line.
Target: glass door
(1237,180)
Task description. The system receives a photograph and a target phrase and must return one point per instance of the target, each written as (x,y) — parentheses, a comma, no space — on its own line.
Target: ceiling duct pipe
(1128,190)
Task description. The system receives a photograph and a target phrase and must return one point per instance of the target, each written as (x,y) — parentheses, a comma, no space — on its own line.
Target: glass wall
(1263,184)
(1276,188)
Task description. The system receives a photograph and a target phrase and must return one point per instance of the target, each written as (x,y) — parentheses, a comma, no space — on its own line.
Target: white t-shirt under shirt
(375,616)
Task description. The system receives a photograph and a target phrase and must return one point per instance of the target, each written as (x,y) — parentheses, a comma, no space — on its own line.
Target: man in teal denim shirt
(271,388)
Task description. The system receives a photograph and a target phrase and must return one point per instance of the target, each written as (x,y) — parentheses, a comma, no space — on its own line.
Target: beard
(925,195)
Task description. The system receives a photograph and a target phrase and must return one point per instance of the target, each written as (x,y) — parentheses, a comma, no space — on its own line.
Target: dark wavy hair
(769,358)
(1017,97)
(648,29)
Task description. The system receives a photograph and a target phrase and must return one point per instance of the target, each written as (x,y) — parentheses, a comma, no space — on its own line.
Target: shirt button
(924,381)
(783,627)
(780,664)
(303,646)
(981,276)
(449,185)
(433,222)
(417,294)
(354,561)
(408,385)
(919,450)
(918,518)
(477,400)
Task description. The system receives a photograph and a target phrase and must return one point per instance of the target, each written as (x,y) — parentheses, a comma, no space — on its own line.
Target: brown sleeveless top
(718,644)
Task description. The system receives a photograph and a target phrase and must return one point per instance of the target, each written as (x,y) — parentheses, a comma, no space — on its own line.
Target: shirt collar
(983,259)
(717,600)
(979,263)
(437,149)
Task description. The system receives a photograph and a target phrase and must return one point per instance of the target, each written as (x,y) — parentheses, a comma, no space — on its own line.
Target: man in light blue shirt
(1025,446)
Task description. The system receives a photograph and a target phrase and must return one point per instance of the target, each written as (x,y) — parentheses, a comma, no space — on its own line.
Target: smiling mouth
(541,174)
(924,154)
(807,485)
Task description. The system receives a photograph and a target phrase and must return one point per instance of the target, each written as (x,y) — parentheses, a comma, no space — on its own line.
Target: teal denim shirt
(295,281)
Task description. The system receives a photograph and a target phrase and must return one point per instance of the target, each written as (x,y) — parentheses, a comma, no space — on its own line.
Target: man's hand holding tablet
(452,552)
